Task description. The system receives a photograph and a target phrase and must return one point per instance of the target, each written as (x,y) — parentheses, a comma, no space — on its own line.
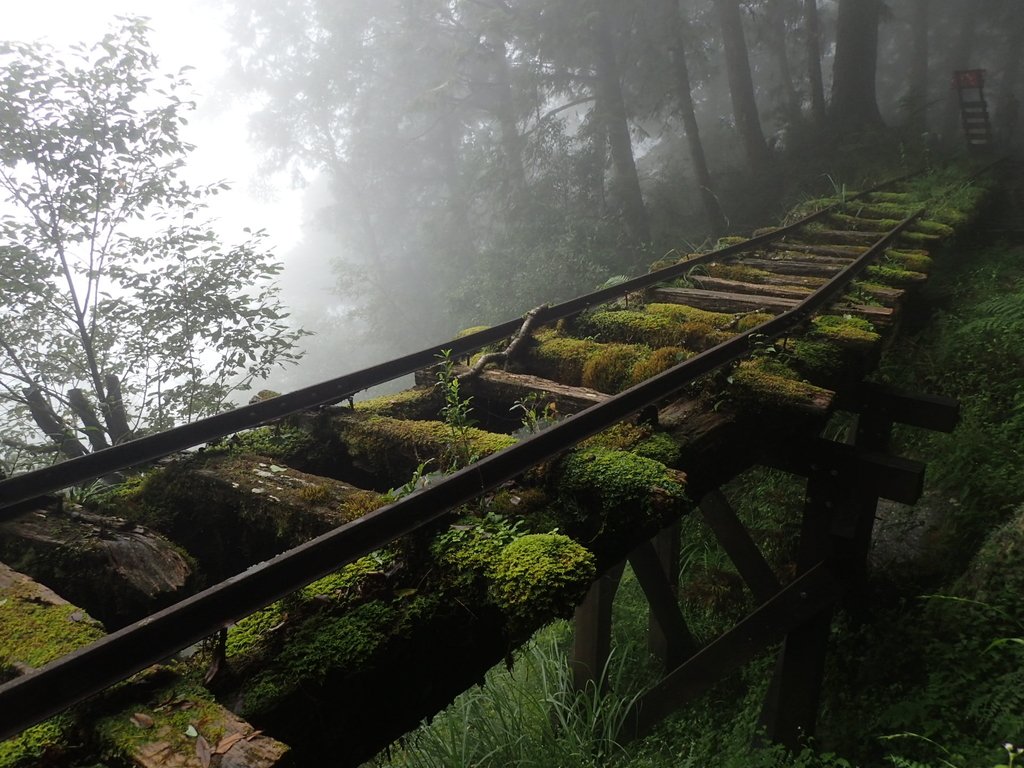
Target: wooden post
(666,547)
(592,629)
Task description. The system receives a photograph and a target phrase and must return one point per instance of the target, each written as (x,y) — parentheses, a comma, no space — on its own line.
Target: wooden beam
(666,546)
(757,289)
(802,599)
(592,630)
(845,252)
(741,549)
(664,602)
(785,267)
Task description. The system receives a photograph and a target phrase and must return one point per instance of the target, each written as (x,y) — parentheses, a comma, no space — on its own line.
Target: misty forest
(631,383)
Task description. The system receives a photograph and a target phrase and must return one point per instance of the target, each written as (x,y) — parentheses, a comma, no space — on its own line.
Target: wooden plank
(592,630)
(785,267)
(717,301)
(666,546)
(757,289)
(802,599)
(844,252)
(934,412)
(507,387)
(845,236)
(736,541)
(664,602)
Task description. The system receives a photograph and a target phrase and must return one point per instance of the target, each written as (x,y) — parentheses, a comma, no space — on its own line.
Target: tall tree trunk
(777,43)
(94,429)
(814,80)
(959,58)
(613,111)
(741,86)
(917,93)
(684,94)
(511,140)
(854,102)
(1006,100)
(114,411)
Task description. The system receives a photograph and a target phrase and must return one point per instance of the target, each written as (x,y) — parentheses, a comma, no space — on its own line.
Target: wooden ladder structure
(970,93)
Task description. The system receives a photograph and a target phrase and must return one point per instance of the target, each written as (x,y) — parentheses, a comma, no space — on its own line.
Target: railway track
(821,290)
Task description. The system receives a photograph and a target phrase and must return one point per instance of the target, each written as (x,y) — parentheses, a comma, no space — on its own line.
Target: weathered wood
(232,510)
(786,267)
(118,571)
(798,602)
(667,548)
(498,386)
(757,289)
(662,597)
(845,236)
(717,301)
(840,252)
(592,631)
(738,545)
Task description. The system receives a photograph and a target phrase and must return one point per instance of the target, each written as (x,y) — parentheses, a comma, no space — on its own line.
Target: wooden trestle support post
(844,484)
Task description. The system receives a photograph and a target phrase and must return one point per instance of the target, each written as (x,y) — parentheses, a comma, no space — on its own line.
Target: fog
(424,167)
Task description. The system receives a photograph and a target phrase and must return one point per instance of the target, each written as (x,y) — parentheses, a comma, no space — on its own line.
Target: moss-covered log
(231,510)
(132,570)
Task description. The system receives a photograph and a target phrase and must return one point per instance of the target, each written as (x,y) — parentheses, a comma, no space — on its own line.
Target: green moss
(34,632)
(397,446)
(725,242)
(844,329)
(910,260)
(680,313)
(865,224)
(562,356)
(611,370)
(338,586)
(894,276)
(279,442)
(764,382)
(251,634)
(664,263)
(41,744)
(936,228)
(471,330)
(414,403)
(541,576)
(629,327)
(620,437)
(738,272)
(816,358)
(918,238)
(752,320)
(173,710)
(888,215)
(618,482)
(658,361)
(660,447)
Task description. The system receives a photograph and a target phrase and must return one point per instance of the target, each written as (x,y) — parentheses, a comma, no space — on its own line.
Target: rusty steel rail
(72,678)
(17,490)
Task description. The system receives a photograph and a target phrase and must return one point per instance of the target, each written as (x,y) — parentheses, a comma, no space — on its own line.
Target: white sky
(193,33)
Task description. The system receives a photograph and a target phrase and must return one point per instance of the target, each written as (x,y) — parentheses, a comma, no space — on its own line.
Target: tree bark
(684,94)
(613,113)
(94,430)
(959,58)
(814,79)
(741,86)
(52,425)
(777,43)
(854,102)
(917,93)
(114,411)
